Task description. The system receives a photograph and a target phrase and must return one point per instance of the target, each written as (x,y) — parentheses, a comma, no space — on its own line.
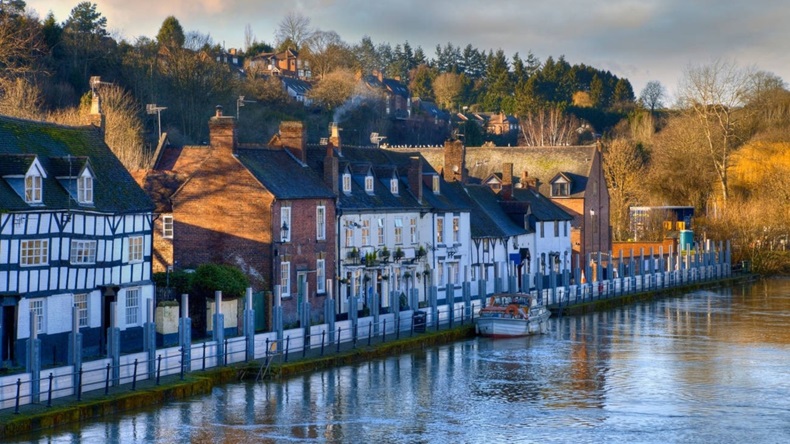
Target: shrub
(209,278)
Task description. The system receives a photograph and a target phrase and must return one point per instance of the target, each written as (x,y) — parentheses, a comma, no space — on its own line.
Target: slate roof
(487,218)
(296,85)
(114,189)
(282,175)
(540,162)
(542,208)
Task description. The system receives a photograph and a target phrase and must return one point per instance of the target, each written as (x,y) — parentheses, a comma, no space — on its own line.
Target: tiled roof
(114,189)
(282,175)
(487,218)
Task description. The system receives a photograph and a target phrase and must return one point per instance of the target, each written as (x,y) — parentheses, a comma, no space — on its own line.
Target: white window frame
(349,237)
(134,249)
(33,188)
(320,222)
(435,184)
(346,183)
(320,275)
(380,231)
(394,186)
(413,233)
(285,218)
(81,302)
(82,252)
(85,188)
(365,232)
(37,306)
(285,279)
(167,226)
(440,230)
(398,230)
(34,252)
(133,302)
(456,229)
(368,184)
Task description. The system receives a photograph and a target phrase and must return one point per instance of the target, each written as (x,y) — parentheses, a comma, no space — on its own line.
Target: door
(107,299)
(8,335)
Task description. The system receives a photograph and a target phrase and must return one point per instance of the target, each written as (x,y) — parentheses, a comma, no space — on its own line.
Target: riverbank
(95,405)
(629,298)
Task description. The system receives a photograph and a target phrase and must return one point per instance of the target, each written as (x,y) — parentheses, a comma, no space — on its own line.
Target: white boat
(511,315)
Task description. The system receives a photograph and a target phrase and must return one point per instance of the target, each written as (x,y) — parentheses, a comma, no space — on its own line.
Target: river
(709,366)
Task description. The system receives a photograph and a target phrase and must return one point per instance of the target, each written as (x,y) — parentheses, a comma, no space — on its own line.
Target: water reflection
(708,366)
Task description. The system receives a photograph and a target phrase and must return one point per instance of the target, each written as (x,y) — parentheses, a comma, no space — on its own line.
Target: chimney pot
(219,111)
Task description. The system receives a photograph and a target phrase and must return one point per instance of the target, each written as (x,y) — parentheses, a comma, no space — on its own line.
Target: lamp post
(151,109)
(239,103)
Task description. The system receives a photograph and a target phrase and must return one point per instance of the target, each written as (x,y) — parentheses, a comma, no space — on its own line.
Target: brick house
(257,207)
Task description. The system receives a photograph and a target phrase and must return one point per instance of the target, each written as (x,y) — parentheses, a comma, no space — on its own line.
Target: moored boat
(511,315)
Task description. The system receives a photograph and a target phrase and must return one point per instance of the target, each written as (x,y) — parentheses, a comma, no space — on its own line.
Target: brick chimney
(527,181)
(334,137)
(293,137)
(454,161)
(331,173)
(415,177)
(222,131)
(507,181)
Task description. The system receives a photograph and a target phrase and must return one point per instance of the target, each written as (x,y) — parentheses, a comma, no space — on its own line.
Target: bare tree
(447,88)
(21,44)
(623,164)
(714,94)
(249,37)
(326,51)
(548,126)
(20,98)
(334,89)
(653,95)
(294,28)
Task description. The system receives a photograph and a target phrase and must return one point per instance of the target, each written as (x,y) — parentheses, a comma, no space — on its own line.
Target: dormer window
(85,188)
(33,188)
(368,184)
(394,186)
(435,184)
(559,189)
(347,183)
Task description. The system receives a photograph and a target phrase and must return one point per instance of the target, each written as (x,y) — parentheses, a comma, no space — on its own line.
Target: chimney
(96,116)
(293,137)
(454,161)
(334,137)
(222,131)
(415,177)
(507,181)
(331,173)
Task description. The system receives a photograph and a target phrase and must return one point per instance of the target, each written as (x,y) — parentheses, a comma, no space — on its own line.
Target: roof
(541,207)
(488,219)
(540,162)
(114,189)
(296,85)
(283,175)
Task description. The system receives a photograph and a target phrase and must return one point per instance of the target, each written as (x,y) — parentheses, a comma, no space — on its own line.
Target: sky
(641,40)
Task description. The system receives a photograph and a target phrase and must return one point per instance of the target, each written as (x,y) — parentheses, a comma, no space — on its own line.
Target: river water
(710,366)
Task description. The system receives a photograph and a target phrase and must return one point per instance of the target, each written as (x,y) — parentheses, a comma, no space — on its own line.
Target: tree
(623,166)
(367,58)
(623,95)
(447,88)
(87,45)
(295,29)
(171,33)
(422,82)
(86,19)
(714,94)
(652,95)
(326,51)
(548,126)
(21,43)
(334,89)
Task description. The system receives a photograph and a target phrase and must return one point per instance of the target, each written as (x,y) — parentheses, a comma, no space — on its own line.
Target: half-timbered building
(75,231)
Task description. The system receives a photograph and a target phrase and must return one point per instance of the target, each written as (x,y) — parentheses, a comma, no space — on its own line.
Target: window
(83,252)
(398,230)
(37,308)
(346,183)
(167,226)
(135,249)
(440,274)
(485,244)
(285,279)
(542,228)
(413,230)
(285,224)
(34,252)
(81,302)
(33,188)
(132,306)
(394,186)
(85,189)
(453,276)
(368,184)
(320,276)
(439,230)
(320,222)
(380,231)
(556,228)
(559,189)
(566,228)
(435,183)
(349,236)
(366,232)
(456,229)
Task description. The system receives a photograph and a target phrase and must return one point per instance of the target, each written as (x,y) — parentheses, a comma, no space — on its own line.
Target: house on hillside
(298,89)
(259,208)
(570,177)
(287,63)
(397,95)
(75,242)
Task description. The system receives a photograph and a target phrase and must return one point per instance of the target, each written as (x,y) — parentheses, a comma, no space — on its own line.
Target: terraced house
(75,242)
